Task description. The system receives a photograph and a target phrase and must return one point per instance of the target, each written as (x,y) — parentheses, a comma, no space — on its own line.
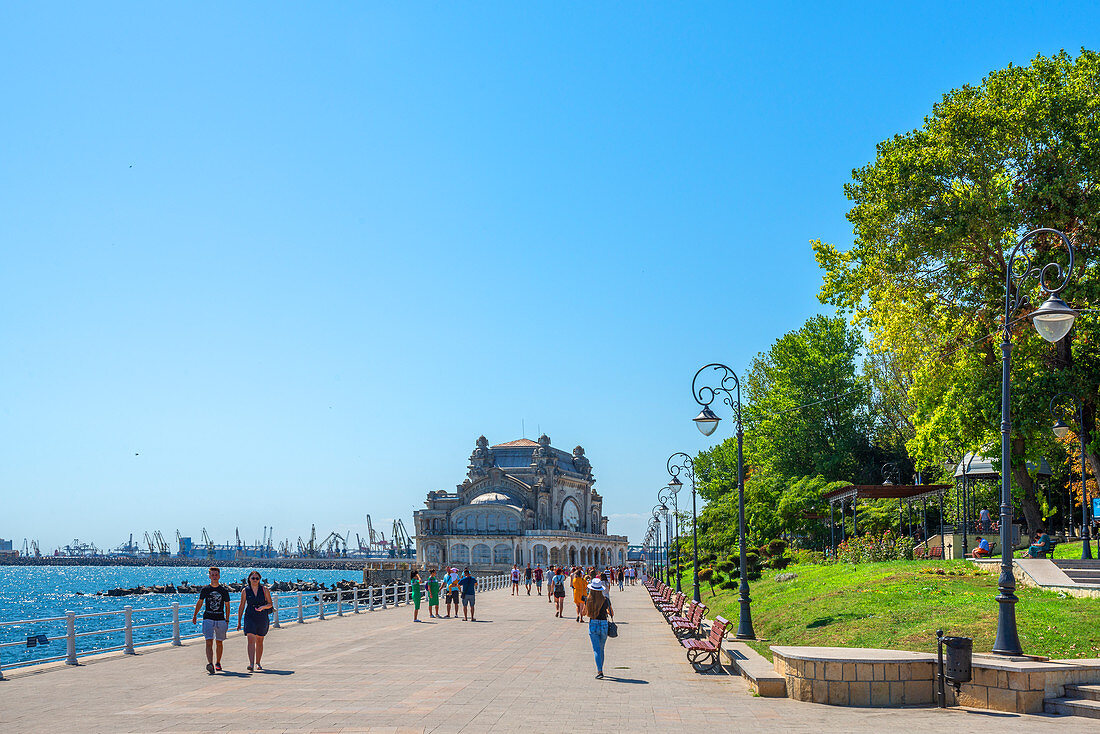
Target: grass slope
(900,605)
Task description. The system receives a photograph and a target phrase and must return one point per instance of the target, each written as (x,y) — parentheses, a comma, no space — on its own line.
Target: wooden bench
(693,625)
(674,608)
(705,655)
(664,597)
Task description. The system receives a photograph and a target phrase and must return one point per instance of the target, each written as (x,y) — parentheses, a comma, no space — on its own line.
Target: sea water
(41,592)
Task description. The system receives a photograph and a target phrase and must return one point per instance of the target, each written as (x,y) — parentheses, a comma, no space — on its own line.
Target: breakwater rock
(317,590)
(327,564)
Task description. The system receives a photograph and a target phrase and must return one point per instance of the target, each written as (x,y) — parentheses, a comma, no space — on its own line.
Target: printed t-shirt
(515,574)
(217,599)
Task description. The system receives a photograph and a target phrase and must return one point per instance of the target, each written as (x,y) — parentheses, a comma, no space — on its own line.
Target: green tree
(807,406)
(934,216)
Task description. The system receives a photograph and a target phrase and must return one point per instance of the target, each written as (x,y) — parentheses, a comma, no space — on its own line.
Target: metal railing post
(320,605)
(385,605)
(70,638)
(275,612)
(176,624)
(355,601)
(339,603)
(129,612)
(408,593)
(301,611)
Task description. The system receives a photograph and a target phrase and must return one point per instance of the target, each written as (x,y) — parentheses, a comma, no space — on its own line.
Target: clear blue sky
(278,266)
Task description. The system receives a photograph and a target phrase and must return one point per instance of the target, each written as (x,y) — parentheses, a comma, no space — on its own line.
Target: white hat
(596,585)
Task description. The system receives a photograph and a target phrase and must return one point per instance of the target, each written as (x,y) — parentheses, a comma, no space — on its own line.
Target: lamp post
(707,422)
(664,495)
(657,525)
(675,484)
(1060,430)
(674,534)
(1053,320)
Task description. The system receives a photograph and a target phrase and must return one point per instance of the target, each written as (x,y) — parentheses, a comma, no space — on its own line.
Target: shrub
(873,548)
(728,585)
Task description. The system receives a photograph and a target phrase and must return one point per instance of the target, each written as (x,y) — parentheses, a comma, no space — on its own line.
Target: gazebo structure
(976,468)
(907,493)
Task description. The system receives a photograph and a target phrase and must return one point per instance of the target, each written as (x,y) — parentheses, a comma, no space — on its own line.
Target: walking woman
(598,608)
(579,587)
(414,582)
(255,606)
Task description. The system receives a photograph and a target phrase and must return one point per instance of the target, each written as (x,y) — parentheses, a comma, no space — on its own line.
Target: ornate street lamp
(664,496)
(673,488)
(684,465)
(1060,430)
(657,525)
(707,422)
(1053,321)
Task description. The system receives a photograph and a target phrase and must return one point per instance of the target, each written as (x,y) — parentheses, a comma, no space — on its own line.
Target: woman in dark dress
(255,605)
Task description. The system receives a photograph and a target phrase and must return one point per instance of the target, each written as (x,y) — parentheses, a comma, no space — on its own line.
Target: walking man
(538,579)
(215,623)
(527,578)
(469,587)
(450,584)
(515,580)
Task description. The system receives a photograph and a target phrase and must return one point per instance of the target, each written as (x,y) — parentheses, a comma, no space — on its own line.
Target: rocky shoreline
(327,593)
(328,564)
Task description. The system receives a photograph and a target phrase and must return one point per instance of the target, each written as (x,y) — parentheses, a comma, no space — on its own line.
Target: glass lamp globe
(675,484)
(1053,319)
(1060,428)
(706,421)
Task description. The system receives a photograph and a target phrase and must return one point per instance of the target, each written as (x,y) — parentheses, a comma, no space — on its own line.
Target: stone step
(1073,707)
(1090,692)
(755,668)
(1065,563)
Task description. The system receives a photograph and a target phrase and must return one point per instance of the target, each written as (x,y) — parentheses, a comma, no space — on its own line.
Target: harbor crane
(402,543)
(208,543)
(162,546)
(149,542)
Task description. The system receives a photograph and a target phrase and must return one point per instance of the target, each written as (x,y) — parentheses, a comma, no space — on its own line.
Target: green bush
(728,585)
(874,548)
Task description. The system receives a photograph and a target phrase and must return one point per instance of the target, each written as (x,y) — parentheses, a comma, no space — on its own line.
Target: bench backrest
(718,630)
(700,612)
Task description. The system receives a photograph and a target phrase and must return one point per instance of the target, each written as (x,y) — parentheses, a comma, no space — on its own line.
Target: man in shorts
(215,623)
(469,587)
(515,580)
(538,578)
(450,586)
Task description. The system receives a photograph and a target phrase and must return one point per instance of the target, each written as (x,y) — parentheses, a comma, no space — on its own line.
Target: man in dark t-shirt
(215,619)
(468,584)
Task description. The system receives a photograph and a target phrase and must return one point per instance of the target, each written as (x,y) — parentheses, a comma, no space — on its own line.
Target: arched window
(570,515)
(502,554)
(481,523)
(481,555)
(460,553)
(513,524)
(540,554)
(492,522)
(433,554)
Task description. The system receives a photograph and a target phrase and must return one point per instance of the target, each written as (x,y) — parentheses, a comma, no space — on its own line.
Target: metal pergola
(907,493)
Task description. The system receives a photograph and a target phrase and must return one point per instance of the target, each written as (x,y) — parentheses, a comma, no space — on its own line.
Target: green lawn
(900,605)
(1064,550)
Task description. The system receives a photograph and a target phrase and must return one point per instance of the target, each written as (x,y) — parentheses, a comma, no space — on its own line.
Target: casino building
(521,502)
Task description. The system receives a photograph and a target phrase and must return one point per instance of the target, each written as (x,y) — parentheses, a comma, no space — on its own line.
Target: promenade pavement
(517,669)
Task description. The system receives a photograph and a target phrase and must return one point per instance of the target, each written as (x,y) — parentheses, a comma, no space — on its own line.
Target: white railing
(317,605)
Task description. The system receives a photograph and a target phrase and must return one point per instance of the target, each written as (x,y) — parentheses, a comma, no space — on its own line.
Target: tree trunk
(1029,503)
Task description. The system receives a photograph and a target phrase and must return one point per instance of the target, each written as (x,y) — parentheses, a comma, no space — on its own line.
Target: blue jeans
(597,632)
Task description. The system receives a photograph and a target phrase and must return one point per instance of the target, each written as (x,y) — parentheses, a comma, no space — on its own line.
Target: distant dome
(494,498)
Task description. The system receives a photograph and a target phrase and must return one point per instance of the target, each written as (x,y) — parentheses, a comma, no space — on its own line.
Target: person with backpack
(598,609)
(558,585)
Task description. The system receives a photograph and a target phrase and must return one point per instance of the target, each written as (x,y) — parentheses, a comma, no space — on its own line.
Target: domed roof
(495,498)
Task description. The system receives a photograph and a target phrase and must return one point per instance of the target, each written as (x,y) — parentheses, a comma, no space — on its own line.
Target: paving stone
(522,670)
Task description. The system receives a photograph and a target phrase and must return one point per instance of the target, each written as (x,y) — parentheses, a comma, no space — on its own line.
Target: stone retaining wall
(857,684)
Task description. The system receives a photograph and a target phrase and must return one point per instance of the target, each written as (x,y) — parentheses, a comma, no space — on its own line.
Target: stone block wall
(858,684)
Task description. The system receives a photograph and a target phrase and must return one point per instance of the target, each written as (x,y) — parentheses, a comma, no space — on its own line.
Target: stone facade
(521,502)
